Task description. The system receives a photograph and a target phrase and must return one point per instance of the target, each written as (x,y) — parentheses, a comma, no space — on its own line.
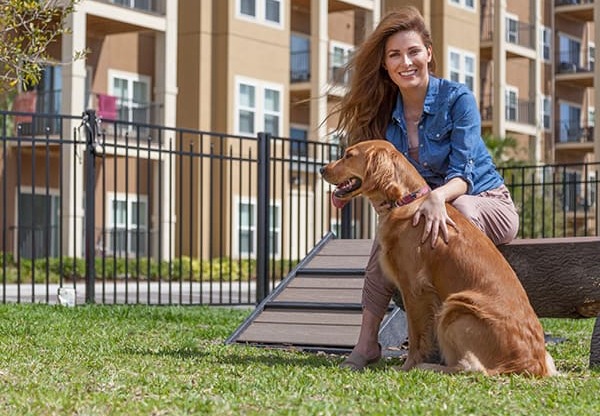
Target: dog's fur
(463,295)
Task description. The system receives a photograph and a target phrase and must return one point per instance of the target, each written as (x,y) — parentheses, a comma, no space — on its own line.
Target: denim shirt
(450,143)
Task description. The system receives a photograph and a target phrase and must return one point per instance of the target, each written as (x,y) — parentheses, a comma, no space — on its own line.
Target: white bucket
(67,296)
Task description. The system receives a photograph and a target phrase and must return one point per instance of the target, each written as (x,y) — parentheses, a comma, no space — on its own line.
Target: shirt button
(425,163)
(421,145)
(437,135)
(420,126)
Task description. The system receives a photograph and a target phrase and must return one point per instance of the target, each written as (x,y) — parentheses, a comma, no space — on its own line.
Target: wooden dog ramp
(318,305)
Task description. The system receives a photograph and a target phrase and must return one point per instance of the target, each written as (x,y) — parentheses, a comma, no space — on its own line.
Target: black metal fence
(144,214)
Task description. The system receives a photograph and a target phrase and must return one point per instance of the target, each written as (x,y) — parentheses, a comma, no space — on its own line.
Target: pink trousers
(492,211)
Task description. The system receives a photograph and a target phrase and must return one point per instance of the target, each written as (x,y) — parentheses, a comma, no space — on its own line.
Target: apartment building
(129,74)
(244,66)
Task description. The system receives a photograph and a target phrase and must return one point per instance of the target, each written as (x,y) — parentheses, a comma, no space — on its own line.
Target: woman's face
(406,60)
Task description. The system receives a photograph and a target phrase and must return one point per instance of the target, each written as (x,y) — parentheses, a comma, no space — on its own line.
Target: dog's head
(373,168)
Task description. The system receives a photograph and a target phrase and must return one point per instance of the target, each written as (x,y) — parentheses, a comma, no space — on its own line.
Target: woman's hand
(433,210)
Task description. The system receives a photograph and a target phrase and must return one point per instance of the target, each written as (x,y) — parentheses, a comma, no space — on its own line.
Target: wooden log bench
(562,278)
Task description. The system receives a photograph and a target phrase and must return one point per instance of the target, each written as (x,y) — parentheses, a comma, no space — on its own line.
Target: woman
(436,124)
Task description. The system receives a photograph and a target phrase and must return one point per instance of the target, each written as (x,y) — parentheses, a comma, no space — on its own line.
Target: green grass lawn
(137,360)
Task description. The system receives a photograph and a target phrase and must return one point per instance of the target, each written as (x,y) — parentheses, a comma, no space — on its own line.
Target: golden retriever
(462,296)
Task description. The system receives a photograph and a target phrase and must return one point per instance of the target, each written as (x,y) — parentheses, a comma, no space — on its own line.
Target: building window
(546,112)
(127,225)
(335,148)
(512,103)
(133,96)
(247,228)
(340,55)
(38,224)
(569,123)
(467,4)
(261,11)
(591,56)
(546,47)
(579,192)
(299,58)
(462,68)
(149,5)
(247,223)
(569,50)
(299,144)
(272,106)
(512,30)
(275,230)
(258,108)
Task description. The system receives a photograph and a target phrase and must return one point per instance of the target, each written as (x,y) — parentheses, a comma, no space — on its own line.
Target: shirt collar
(429,106)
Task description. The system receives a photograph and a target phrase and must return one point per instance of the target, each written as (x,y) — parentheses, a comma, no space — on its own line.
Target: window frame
(260,16)
(129,227)
(570,105)
(260,111)
(334,67)
(130,77)
(512,18)
(55,221)
(464,4)
(276,227)
(546,107)
(299,146)
(562,36)
(546,44)
(463,55)
(511,91)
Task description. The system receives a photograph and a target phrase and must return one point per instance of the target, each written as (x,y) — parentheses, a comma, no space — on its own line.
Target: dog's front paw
(408,364)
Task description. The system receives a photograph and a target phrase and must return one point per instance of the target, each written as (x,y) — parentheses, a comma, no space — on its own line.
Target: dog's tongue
(338,203)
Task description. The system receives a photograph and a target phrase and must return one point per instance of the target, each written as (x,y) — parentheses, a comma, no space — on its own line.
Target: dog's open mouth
(343,192)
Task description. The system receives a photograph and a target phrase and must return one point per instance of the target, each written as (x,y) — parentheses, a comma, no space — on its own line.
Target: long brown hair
(365,110)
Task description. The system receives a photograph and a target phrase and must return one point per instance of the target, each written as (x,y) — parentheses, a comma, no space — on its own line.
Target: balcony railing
(571,2)
(152,6)
(571,62)
(300,66)
(522,36)
(572,132)
(523,112)
(300,69)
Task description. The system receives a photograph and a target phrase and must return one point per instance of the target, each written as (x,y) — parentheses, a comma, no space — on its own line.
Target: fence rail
(135,213)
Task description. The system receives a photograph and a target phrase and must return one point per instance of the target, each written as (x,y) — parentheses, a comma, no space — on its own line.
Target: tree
(27,28)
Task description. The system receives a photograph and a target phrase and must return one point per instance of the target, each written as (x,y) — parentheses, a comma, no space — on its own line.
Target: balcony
(337,75)
(300,66)
(572,69)
(518,35)
(575,9)
(46,103)
(569,132)
(150,6)
(523,111)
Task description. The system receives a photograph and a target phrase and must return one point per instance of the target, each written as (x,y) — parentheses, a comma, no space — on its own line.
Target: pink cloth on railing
(107,107)
(25,102)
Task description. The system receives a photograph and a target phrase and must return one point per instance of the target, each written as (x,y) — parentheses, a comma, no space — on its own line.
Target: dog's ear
(380,169)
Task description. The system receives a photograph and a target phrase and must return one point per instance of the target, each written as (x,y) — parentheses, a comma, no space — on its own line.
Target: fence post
(262,226)
(346,222)
(89,119)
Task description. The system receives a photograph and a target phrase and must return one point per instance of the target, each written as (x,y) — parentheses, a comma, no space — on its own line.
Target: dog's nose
(321,169)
